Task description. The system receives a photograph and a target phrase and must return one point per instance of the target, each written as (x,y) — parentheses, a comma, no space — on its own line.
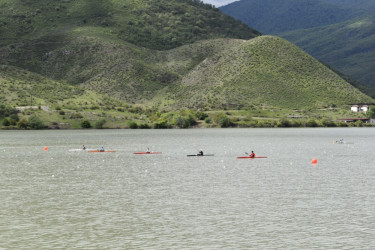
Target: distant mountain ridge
(275,16)
(338,32)
(367,5)
(348,46)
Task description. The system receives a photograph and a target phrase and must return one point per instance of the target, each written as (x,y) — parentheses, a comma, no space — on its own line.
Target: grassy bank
(137,117)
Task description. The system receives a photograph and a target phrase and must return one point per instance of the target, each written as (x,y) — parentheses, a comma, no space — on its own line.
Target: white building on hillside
(365,108)
(357,108)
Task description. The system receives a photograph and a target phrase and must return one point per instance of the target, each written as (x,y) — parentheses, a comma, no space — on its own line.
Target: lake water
(63,198)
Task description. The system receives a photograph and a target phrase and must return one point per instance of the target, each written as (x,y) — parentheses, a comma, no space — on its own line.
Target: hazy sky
(219,3)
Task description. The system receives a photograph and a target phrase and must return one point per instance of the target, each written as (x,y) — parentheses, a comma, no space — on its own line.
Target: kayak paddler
(102,149)
(252,155)
(83,147)
(148,151)
(200,152)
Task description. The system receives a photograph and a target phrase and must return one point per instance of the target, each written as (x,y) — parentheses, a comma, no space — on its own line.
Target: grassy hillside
(208,74)
(275,16)
(108,65)
(265,71)
(60,105)
(159,24)
(347,46)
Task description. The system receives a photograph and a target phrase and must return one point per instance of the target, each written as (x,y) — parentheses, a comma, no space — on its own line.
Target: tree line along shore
(138,118)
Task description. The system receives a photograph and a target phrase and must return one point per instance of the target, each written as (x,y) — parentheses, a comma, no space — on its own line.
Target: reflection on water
(66,198)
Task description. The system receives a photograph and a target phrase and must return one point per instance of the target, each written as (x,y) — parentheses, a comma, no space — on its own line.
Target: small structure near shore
(349,120)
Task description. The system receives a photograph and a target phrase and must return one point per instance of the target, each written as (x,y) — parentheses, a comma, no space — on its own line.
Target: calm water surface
(62,198)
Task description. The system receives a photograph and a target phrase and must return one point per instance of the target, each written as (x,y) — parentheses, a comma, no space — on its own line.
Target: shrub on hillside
(23,124)
(6,122)
(144,126)
(311,123)
(76,116)
(328,123)
(35,122)
(223,121)
(253,124)
(267,124)
(85,124)
(371,113)
(342,124)
(191,120)
(181,122)
(133,125)
(297,124)
(359,123)
(7,111)
(201,115)
(14,119)
(100,124)
(284,123)
(161,124)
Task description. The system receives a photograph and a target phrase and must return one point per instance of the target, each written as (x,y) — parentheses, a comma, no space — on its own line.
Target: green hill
(265,71)
(159,24)
(347,46)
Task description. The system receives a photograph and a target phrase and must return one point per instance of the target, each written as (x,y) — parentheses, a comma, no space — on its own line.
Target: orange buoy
(45,148)
(314,161)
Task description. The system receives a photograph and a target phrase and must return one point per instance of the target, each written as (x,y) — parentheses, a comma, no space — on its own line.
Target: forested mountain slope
(367,5)
(347,46)
(275,16)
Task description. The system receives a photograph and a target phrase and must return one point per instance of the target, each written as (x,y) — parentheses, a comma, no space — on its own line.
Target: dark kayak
(146,153)
(100,151)
(202,155)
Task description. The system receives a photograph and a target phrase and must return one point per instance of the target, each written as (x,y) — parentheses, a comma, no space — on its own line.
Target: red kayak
(146,153)
(248,157)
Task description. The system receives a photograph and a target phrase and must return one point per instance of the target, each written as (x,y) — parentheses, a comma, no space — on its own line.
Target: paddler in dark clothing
(83,148)
(252,155)
(200,152)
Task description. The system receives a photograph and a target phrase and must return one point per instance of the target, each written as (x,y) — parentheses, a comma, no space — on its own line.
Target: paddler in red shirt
(252,155)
